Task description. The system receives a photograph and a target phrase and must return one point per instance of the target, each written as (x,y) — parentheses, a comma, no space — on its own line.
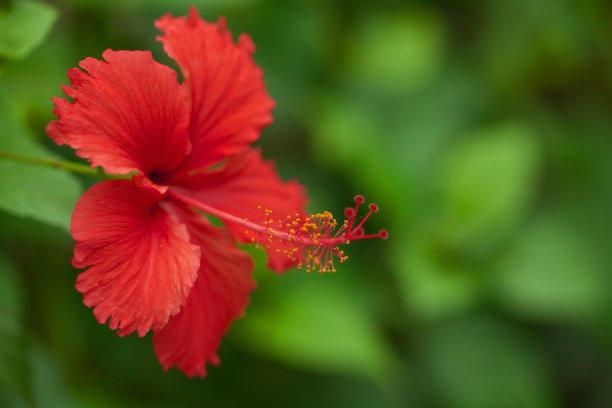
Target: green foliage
(318,325)
(432,287)
(48,382)
(46,195)
(346,135)
(396,52)
(23,26)
(552,273)
(13,363)
(487,183)
(481,363)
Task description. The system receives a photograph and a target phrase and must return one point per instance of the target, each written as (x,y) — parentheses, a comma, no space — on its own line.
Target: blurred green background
(482,129)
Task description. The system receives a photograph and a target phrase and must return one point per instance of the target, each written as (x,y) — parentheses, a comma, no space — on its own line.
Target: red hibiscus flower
(152,259)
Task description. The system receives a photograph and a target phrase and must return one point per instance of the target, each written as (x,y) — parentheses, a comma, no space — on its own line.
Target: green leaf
(160,6)
(23,26)
(550,31)
(346,134)
(391,150)
(397,52)
(46,195)
(483,363)
(487,184)
(552,273)
(305,29)
(49,385)
(432,288)
(12,359)
(317,325)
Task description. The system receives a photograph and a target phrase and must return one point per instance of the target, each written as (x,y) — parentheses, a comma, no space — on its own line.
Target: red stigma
(314,239)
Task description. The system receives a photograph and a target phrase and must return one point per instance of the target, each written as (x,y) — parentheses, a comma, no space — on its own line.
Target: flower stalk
(61,164)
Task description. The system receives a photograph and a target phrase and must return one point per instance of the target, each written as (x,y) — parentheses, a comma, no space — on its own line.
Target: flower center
(157,177)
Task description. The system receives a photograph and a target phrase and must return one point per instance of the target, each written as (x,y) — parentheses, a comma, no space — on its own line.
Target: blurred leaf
(31,87)
(291,61)
(23,26)
(487,184)
(11,298)
(48,381)
(518,51)
(342,392)
(346,134)
(162,6)
(426,121)
(483,363)
(11,400)
(391,147)
(552,273)
(46,195)
(320,326)
(396,52)
(13,371)
(432,287)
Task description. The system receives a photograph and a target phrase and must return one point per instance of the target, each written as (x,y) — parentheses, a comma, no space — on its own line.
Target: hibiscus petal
(245,182)
(141,264)
(129,113)
(230,104)
(220,294)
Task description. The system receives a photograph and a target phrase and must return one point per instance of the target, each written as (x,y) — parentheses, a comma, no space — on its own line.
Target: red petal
(230,104)
(243,184)
(129,113)
(221,292)
(141,265)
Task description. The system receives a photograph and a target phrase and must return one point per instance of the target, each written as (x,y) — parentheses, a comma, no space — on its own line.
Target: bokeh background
(482,129)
